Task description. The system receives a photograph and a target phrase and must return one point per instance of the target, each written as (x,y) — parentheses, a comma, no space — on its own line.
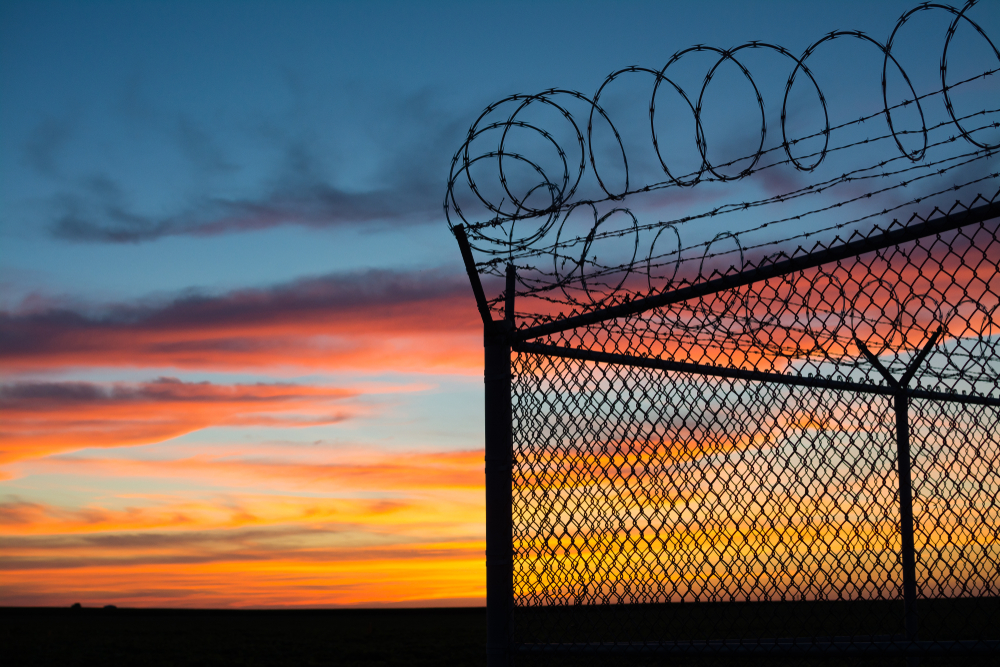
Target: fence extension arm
(470,268)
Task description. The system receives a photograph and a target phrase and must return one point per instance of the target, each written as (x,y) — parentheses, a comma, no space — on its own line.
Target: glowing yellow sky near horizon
(363,530)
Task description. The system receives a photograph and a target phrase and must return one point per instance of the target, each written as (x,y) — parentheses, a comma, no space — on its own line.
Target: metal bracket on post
(499,460)
(901,403)
(473,273)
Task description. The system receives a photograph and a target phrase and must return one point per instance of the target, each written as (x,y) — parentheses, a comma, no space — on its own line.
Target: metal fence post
(901,403)
(499,443)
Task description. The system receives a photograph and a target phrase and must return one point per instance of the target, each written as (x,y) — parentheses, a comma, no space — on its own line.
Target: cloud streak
(375,473)
(101,213)
(245,550)
(149,521)
(41,418)
(373,320)
(303,188)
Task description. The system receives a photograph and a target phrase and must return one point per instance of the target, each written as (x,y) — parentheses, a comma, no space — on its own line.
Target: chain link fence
(740,405)
(721,473)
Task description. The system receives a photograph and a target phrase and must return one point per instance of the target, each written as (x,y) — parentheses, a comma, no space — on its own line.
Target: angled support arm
(470,268)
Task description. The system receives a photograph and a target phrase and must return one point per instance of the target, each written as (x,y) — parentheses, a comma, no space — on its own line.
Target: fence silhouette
(739,445)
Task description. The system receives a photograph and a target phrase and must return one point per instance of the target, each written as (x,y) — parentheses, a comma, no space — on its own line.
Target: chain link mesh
(809,323)
(656,509)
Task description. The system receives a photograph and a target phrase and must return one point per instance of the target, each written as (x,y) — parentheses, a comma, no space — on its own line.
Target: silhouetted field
(153,637)
(90,636)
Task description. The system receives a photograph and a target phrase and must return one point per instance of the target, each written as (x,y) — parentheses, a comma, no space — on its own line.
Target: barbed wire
(577,281)
(491,266)
(810,323)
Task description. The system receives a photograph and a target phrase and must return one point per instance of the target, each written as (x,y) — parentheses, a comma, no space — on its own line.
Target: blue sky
(338,119)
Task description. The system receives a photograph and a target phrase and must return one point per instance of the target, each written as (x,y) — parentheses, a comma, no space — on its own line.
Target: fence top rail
(776,267)
(883,389)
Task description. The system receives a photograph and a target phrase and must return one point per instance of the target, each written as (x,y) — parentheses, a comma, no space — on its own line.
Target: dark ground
(155,637)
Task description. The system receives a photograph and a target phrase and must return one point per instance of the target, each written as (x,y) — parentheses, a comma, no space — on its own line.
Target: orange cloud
(42,418)
(375,320)
(450,511)
(412,471)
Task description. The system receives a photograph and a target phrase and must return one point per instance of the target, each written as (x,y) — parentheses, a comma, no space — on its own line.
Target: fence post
(901,403)
(499,450)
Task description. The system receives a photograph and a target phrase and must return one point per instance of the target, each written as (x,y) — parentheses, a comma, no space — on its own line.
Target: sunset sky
(241,361)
